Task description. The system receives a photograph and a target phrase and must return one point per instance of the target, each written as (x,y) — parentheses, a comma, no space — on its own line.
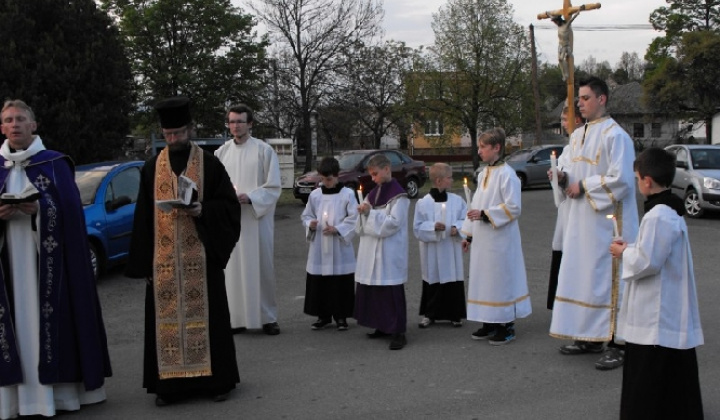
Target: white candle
(616,231)
(468,197)
(360,195)
(554,182)
(325,220)
(442,219)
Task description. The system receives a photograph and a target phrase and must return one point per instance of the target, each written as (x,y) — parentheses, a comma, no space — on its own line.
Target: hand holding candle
(557,196)
(325,220)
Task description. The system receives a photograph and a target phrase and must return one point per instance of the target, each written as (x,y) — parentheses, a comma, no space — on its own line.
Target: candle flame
(610,216)
(553,153)
(465,180)
(360,188)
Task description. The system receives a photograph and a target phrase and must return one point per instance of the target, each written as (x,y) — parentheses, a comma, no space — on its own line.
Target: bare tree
(479,69)
(314,33)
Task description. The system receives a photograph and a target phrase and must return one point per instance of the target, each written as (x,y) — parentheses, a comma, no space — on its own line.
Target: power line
(601,28)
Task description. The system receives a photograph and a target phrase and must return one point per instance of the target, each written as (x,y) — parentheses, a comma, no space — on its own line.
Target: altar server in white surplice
(250,275)
(596,173)
(329,219)
(497,289)
(438,219)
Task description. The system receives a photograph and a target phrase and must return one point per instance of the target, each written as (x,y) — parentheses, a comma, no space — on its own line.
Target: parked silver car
(531,165)
(697,177)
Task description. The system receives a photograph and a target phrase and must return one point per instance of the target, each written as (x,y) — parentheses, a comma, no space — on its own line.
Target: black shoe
(503,335)
(487,330)
(320,324)
(377,334)
(398,341)
(238,330)
(342,324)
(271,328)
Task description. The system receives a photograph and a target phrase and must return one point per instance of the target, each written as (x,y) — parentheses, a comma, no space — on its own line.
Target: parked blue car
(108,191)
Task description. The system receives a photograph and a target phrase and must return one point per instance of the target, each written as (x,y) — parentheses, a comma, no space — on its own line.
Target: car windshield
(350,160)
(88,183)
(519,156)
(706,158)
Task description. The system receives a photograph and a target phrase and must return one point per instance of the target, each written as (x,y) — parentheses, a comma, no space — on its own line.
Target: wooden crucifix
(564,18)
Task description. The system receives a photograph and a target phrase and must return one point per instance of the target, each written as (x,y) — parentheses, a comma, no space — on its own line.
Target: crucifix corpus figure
(565,40)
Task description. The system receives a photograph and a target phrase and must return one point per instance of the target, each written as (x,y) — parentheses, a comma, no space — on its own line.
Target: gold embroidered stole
(181,306)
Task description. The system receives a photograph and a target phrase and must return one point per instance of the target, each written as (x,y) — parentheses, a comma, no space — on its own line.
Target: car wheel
(523,181)
(95,261)
(412,188)
(692,204)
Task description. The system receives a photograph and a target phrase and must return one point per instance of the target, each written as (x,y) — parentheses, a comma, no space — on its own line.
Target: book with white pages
(185,188)
(29,194)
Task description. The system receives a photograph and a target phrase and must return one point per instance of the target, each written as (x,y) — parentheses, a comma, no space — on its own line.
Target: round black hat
(174,112)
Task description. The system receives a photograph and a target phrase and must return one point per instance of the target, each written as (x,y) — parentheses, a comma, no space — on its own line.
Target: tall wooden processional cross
(564,18)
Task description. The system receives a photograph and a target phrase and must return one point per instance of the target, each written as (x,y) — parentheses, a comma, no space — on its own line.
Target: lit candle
(616,231)
(325,220)
(554,182)
(360,195)
(468,197)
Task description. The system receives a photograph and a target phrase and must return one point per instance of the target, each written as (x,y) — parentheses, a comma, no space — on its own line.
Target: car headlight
(711,183)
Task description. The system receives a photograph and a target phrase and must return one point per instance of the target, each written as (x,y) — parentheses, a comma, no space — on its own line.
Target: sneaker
(320,324)
(456,324)
(503,335)
(342,324)
(582,347)
(425,322)
(613,358)
(487,330)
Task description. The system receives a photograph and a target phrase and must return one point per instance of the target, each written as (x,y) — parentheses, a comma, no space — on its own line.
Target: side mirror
(115,204)
(681,164)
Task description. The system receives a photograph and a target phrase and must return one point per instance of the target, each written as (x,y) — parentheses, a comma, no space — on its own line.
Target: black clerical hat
(174,112)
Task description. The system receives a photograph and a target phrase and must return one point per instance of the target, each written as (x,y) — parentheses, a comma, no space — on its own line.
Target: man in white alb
(250,275)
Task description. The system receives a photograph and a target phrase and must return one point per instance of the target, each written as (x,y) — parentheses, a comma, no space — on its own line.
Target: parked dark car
(531,165)
(697,177)
(108,191)
(410,173)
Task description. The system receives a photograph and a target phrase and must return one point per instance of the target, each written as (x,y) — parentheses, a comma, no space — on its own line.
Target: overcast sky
(409,21)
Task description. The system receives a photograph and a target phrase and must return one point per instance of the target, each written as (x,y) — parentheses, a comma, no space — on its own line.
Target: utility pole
(536,89)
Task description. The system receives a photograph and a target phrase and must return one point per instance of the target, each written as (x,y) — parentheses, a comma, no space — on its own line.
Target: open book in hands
(186,186)
(29,194)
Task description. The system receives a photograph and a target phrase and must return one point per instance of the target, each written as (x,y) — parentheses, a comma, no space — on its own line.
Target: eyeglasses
(236,122)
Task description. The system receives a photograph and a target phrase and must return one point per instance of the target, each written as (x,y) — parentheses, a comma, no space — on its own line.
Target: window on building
(638,130)
(433,128)
(656,130)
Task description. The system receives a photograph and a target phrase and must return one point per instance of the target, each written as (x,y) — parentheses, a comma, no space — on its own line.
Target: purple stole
(383,193)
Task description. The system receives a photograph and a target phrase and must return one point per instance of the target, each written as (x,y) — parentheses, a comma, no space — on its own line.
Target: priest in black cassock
(189,348)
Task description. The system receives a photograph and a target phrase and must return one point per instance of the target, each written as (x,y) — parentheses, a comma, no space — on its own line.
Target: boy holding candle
(382,268)
(329,219)
(438,219)
(659,317)
(497,289)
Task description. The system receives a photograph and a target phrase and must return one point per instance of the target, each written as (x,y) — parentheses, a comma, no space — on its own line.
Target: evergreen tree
(65,59)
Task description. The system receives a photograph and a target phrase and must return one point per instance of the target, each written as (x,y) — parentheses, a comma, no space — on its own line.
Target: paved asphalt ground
(441,374)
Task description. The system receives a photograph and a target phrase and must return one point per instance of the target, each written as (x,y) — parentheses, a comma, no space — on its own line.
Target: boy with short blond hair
(497,289)
(438,219)
(659,317)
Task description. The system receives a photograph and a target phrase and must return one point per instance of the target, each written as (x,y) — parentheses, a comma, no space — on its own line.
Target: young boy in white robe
(659,317)
(497,288)
(329,219)
(382,262)
(438,219)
